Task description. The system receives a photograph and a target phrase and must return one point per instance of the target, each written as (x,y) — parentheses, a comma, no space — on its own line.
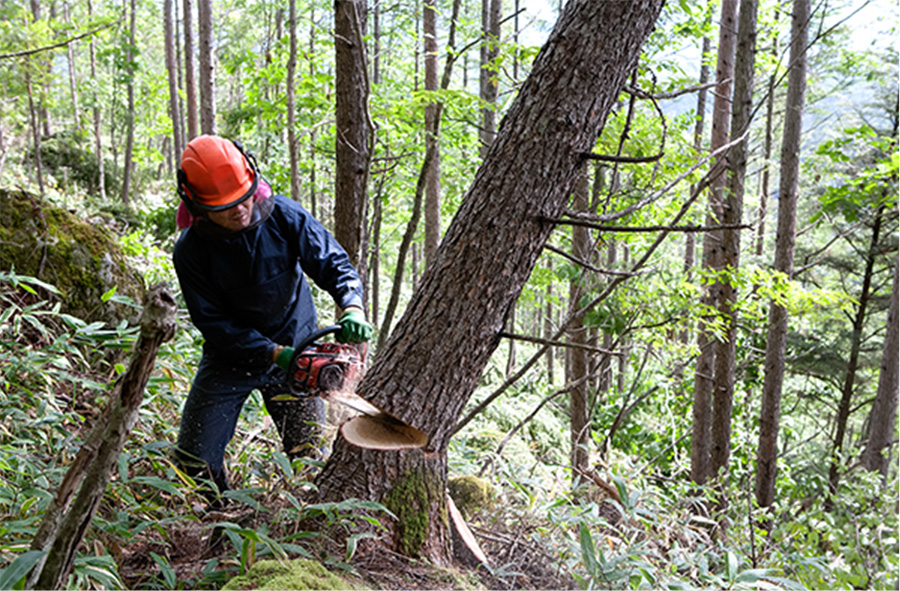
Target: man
(241,265)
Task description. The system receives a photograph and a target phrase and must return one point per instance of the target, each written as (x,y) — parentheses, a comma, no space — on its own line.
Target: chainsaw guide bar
(331,370)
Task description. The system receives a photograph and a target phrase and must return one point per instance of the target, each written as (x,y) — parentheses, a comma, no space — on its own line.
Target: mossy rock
(470,494)
(84,262)
(296,574)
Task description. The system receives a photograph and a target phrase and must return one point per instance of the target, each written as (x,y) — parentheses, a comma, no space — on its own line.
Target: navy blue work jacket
(246,291)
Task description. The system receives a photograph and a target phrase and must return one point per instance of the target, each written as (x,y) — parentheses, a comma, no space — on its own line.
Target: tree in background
(776,340)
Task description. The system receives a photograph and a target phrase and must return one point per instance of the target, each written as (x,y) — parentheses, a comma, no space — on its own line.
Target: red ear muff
(183,186)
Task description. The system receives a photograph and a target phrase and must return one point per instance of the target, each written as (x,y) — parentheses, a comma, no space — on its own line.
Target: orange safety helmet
(216,174)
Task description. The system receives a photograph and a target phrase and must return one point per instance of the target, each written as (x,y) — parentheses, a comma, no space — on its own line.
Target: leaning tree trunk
(776,340)
(433,360)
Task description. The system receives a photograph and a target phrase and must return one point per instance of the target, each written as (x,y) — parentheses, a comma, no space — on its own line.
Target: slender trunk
(490,51)
(171,69)
(98,142)
(73,77)
(35,134)
(548,322)
(430,153)
(742,103)
(293,148)
(690,243)
(776,341)
(767,146)
(433,179)
(577,371)
(129,142)
(884,409)
(207,73)
(355,131)
(190,81)
(853,362)
(703,373)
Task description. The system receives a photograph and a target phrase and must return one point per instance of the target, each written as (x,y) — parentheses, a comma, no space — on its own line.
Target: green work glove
(283,360)
(354,325)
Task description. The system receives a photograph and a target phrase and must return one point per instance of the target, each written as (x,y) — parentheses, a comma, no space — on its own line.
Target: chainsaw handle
(318,334)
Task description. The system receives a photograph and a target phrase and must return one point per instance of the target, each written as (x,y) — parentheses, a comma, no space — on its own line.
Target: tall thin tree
(733,205)
(127,171)
(207,67)
(776,340)
(433,177)
(290,103)
(712,243)
(172,71)
(355,131)
(190,80)
(884,409)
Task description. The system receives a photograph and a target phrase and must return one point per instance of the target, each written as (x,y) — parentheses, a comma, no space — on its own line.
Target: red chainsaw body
(325,367)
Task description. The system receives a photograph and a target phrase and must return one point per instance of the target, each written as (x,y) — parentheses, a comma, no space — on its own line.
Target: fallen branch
(61,531)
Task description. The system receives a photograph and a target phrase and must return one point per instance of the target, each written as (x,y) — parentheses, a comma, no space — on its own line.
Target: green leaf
(12,577)
(157,482)
(588,552)
(106,296)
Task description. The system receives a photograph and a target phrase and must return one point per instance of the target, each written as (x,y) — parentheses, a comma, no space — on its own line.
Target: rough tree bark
(207,61)
(703,373)
(884,409)
(64,526)
(732,208)
(433,178)
(488,89)
(293,148)
(577,368)
(353,149)
(433,360)
(172,70)
(190,80)
(776,340)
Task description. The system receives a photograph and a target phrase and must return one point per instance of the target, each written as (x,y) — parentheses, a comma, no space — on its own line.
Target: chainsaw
(331,371)
(318,369)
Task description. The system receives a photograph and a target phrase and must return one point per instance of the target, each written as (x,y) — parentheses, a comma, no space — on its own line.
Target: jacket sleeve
(325,261)
(226,337)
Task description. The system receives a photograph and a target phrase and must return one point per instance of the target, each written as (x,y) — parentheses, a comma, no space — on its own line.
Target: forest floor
(515,561)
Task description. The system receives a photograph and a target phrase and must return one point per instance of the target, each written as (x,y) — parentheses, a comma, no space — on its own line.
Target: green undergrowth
(56,372)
